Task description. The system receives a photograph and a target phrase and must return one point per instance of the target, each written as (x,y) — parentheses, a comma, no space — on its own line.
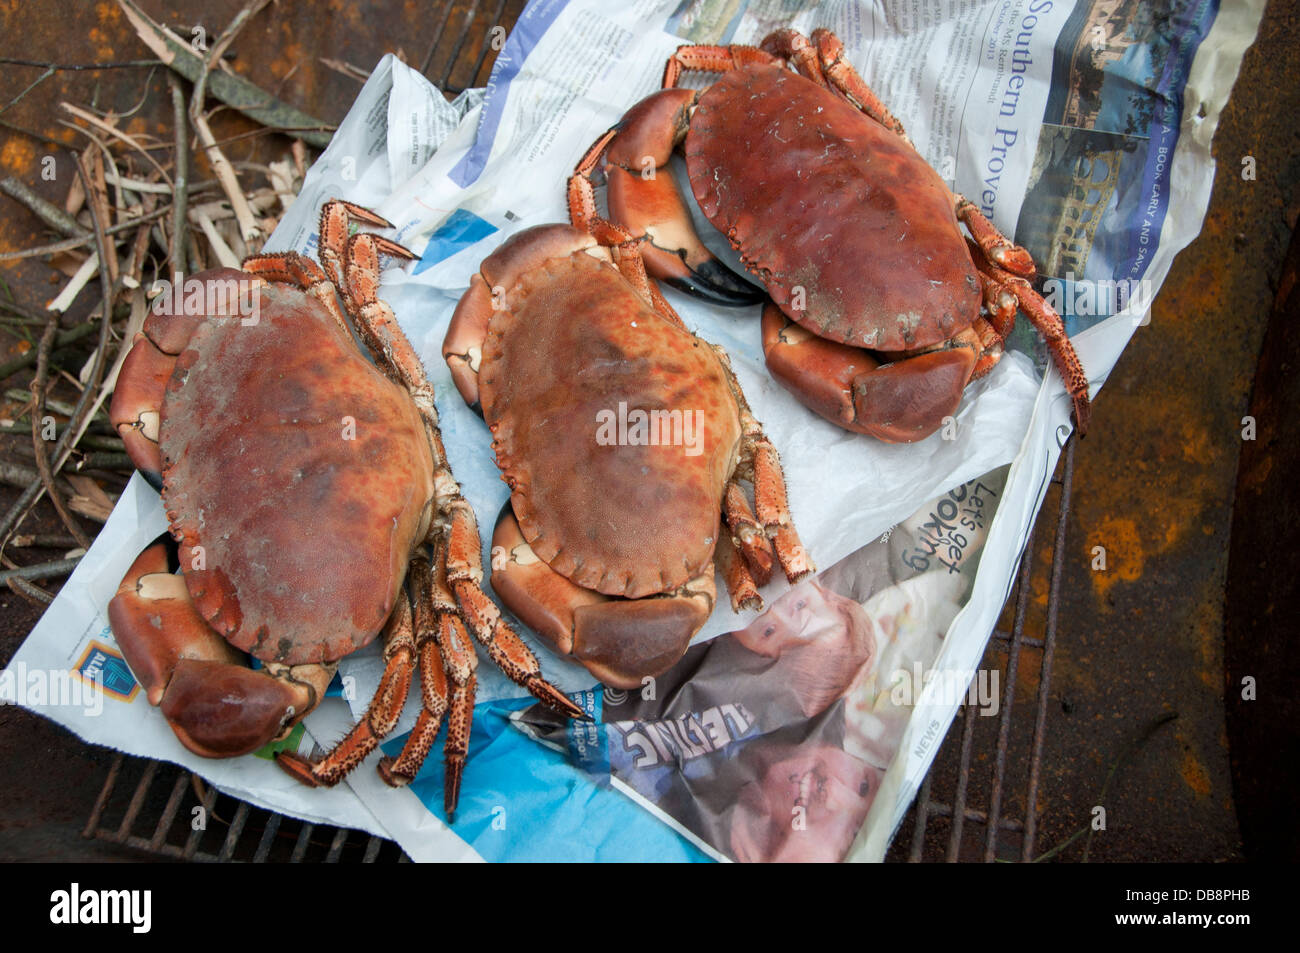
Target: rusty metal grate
(458,57)
(157,815)
(945,822)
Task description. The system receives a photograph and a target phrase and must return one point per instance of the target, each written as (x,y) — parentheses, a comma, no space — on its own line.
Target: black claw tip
(714,282)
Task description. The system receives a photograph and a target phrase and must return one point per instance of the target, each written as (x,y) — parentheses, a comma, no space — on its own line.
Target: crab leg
(995,246)
(1049,324)
(295,269)
(701,58)
(380,718)
(484,620)
(799,51)
(446,655)
(748,535)
(761,461)
(822,60)
(735,572)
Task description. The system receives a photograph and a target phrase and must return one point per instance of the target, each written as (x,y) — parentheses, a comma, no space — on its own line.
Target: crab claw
(900,402)
(620,641)
(644,199)
(714,281)
(216,705)
(219,710)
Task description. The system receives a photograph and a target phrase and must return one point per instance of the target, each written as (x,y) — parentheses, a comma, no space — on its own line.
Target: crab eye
(769,632)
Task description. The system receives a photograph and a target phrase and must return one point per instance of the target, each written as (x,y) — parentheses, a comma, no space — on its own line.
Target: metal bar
(975,815)
(137,799)
(304,837)
(336,848)
(1049,645)
(1025,641)
(1004,726)
(169,813)
(963,776)
(460,44)
(437,38)
(268,835)
(196,833)
(373,847)
(100,802)
(922,816)
(232,836)
(487,42)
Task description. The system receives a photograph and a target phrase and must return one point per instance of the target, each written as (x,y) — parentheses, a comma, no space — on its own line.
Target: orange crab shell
(894,276)
(623,520)
(296,477)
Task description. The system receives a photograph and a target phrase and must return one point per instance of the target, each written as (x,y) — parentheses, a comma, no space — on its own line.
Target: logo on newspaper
(105,667)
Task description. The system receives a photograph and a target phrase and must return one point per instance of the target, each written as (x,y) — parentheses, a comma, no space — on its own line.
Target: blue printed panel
(460,231)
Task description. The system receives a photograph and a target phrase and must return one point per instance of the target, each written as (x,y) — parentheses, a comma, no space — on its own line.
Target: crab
(881,308)
(615,527)
(301,481)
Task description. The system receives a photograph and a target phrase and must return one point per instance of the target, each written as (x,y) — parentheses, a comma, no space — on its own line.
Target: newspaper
(1083,131)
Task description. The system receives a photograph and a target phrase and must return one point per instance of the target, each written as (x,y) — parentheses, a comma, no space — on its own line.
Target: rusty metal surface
(167,812)
(1261,653)
(1153,485)
(975,804)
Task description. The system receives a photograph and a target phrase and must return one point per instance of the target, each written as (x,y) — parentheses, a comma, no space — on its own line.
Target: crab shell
(571,343)
(774,161)
(296,477)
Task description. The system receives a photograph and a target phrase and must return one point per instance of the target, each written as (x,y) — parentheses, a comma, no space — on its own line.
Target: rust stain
(18,156)
(103,43)
(1125,554)
(1194,774)
(108,12)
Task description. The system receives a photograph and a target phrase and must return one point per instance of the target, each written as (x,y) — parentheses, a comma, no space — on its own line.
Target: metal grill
(965,815)
(172,813)
(457,59)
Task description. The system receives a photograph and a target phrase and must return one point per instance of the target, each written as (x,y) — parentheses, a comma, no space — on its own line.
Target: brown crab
(300,482)
(882,309)
(608,547)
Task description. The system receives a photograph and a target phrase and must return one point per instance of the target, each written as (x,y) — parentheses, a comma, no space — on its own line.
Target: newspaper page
(1082,129)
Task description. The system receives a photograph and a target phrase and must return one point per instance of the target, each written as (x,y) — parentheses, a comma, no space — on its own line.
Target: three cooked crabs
(309,494)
